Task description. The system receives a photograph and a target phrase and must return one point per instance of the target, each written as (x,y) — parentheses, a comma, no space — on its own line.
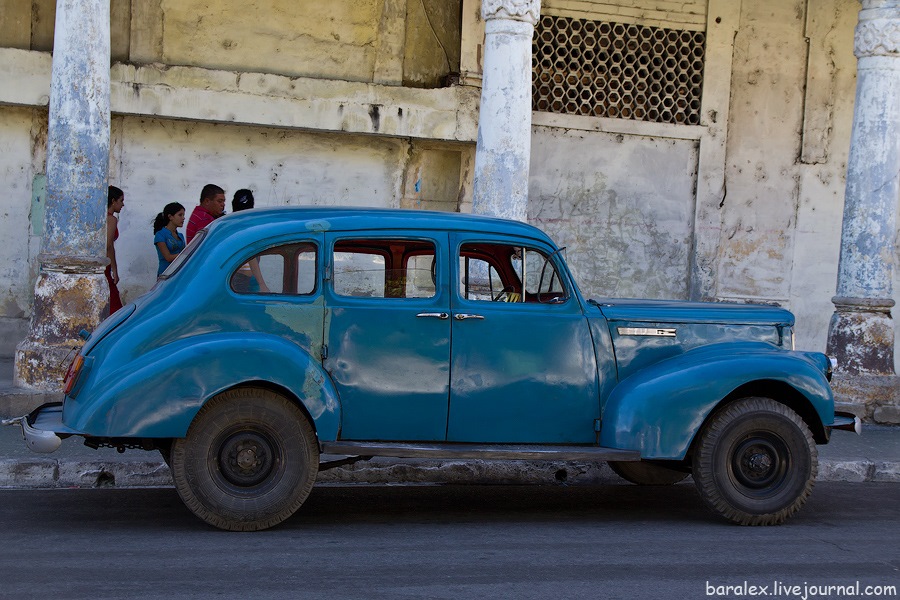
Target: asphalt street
(388,542)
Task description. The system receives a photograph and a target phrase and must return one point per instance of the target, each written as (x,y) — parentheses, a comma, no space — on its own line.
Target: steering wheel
(499,296)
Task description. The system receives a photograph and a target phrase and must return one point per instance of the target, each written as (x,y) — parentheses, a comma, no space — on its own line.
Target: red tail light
(72,373)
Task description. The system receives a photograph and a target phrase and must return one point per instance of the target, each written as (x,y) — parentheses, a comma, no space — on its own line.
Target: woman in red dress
(114,204)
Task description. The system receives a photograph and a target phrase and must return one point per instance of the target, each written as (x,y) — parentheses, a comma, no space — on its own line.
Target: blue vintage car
(280,335)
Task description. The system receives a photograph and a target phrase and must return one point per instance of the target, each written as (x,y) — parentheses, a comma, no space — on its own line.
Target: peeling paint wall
(432,48)
(623,205)
(335,39)
(340,39)
(762,176)
(830,90)
(16,175)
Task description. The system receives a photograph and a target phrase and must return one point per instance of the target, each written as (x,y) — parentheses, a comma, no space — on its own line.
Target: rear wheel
(248,462)
(756,462)
(644,473)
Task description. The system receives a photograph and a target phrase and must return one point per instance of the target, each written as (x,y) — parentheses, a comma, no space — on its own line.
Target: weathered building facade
(696,149)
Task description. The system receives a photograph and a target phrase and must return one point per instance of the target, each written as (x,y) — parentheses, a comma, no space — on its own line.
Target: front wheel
(756,462)
(248,462)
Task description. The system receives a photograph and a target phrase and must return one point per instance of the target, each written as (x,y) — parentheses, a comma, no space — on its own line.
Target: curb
(62,474)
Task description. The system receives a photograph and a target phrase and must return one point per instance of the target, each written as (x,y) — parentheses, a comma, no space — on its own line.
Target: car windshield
(184,255)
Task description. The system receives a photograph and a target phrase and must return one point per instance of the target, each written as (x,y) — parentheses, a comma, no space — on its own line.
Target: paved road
(388,542)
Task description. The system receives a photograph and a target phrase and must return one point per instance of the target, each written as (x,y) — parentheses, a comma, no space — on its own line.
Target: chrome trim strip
(647,331)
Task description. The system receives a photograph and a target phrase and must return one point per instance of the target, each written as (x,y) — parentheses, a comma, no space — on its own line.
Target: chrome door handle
(464,316)
(438,315)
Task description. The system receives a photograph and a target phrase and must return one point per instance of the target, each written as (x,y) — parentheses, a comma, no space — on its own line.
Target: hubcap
(760,463)
(246,458)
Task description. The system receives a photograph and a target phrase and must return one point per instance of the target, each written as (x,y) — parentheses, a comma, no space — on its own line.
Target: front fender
(659,410)
(158,394)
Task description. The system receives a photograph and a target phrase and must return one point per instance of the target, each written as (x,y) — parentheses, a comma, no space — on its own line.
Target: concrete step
(15,401)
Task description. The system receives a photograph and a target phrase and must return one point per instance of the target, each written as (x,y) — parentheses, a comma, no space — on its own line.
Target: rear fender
(158,394)
(658,410)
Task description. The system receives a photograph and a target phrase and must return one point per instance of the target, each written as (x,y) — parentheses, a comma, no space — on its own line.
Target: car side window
(384,268)
(542,280)
(289,269)
(492,272)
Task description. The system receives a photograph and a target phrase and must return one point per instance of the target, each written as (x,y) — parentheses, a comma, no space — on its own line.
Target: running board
(478,451)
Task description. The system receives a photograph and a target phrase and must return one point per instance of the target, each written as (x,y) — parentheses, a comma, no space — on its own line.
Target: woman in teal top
(168,241)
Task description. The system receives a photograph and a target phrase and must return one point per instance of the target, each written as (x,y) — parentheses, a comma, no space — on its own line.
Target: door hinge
(324,351)
(597,425)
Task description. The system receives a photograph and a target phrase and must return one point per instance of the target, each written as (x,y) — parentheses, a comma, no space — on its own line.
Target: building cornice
(260,99)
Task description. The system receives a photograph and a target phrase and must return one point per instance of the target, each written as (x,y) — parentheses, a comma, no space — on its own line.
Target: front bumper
(847,422)
(43,428)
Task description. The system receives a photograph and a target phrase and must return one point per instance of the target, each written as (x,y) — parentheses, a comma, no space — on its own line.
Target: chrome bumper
(43,429)
(847,422)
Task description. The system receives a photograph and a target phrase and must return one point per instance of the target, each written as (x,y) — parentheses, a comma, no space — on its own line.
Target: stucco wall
(825,138)
(623,205)
(762,177)
(16,175)
(413,42)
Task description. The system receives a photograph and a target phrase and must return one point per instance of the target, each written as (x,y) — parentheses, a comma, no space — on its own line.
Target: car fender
(660,409)
(157,394)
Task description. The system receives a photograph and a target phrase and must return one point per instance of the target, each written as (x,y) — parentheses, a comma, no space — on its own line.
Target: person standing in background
(166,237)
(115,202)
(211,207)
(247,279)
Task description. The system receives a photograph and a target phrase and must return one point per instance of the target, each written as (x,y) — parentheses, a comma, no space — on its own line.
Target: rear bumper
(847,422)
(43,429)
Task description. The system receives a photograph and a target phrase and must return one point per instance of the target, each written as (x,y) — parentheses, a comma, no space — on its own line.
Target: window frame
(381,247)
(550,254)
(290,270)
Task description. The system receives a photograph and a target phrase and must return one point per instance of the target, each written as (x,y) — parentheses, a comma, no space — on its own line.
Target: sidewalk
(873,456)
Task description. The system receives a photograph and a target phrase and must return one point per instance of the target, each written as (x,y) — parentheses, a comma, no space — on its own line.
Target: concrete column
(71,291)
(503,151)
(861,334)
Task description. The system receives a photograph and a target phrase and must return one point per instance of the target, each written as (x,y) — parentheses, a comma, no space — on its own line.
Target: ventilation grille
(617,70)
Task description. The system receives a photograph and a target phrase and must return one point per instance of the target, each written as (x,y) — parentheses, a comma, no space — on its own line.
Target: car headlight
(832,365)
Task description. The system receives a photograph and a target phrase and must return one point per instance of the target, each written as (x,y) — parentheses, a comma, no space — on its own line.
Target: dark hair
(162,219)
(114,194)
(243,199)
(210,190)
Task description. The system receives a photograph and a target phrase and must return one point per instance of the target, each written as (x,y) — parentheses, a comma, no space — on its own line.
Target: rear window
(184,255)
(290,269)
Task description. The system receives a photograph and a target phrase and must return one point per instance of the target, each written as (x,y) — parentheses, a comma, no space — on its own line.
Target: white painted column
(71,291)
(861,334)
(503,151)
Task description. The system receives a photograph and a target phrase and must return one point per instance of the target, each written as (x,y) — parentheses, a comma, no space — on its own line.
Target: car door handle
(464,316)
(438,315)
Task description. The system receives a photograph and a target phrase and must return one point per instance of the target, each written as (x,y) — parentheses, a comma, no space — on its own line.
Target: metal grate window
(617,70)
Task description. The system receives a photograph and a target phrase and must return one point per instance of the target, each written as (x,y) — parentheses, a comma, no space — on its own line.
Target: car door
(522,364)
(387,332)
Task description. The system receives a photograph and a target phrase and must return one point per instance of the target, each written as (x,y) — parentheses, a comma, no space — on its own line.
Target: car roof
(298,219)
